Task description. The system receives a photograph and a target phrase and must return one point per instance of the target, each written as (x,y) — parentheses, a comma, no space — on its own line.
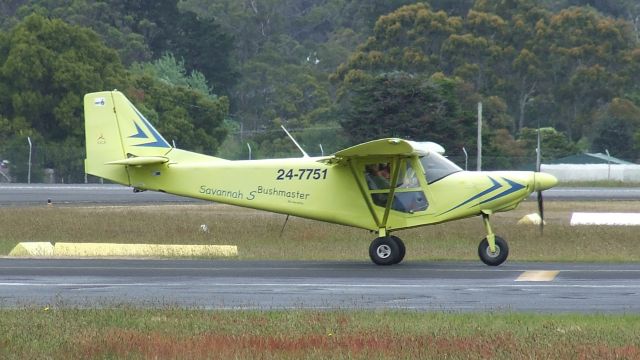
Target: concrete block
(63,249)
(32,249)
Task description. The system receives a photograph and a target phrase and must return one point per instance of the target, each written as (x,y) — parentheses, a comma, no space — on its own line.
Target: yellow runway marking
(538,276)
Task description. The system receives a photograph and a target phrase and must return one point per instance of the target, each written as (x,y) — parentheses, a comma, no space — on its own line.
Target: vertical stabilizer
(115,130)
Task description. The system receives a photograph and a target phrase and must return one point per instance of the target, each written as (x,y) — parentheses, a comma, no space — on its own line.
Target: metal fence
(37,163)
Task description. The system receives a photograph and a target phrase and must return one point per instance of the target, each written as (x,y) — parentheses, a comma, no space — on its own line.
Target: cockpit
(408,195)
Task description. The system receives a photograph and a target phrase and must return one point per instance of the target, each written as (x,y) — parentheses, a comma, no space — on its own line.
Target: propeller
(540,200)
(541,181)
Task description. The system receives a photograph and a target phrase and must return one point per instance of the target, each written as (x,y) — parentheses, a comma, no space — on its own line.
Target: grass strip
(199,334)
(257,234)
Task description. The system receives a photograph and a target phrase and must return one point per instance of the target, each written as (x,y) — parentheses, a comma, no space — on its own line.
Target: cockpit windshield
(437,167)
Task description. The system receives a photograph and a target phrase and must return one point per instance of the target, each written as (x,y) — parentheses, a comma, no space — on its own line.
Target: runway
(75,194)
(37,194)
(264,285)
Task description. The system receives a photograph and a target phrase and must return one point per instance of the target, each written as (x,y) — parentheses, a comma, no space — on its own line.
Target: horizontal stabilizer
(140,160)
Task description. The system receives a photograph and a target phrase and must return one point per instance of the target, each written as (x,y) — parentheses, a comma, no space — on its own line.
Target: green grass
(257,234)
(196,334)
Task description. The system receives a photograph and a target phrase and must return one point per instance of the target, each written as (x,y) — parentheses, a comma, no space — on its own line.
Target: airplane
(382,186)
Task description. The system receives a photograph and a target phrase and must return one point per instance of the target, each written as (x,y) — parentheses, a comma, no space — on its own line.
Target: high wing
(390,147)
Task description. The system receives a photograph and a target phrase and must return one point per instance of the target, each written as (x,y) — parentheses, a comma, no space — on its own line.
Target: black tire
(493,259)
(384,251)
(403,249)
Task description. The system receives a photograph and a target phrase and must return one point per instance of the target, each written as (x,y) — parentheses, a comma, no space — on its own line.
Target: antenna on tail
(304,154)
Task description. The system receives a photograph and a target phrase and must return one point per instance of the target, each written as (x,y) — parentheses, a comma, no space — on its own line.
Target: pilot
(378,176)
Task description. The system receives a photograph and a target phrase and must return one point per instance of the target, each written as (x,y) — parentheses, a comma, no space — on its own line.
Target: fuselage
(334,191)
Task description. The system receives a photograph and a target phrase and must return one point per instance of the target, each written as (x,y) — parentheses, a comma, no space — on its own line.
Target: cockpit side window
(408,196)
(437,167)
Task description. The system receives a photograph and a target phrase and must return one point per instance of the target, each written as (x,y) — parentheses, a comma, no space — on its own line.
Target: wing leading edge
(390,147)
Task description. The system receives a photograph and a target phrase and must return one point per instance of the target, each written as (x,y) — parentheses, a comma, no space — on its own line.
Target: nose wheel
(387,250)
(493,250)
(493,258)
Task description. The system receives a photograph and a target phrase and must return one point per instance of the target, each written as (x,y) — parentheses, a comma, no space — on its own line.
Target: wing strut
(380,223)
(364,193)
(392,189)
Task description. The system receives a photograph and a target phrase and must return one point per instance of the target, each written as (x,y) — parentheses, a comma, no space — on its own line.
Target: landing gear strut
(493,250)
(387,250)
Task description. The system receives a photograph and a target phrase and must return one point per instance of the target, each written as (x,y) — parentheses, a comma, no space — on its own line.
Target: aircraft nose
(543,181)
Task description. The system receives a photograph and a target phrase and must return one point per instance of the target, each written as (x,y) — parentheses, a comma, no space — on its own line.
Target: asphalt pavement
(265,285)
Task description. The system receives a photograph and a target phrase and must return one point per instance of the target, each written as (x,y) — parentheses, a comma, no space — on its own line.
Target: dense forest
(216,75)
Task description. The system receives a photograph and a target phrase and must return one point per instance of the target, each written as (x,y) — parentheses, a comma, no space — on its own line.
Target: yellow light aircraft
(383,185)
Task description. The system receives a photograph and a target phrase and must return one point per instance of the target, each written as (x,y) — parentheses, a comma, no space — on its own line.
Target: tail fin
(116,134)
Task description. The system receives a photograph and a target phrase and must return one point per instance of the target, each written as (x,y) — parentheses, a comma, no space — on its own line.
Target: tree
(284,51)
(203,46)
(402,105)
(587,56)
(46,67)
(551,68)
(615,128)
(144,29)
(172,71)
(521,67)
(8,8)
(188,117)
(410,39)
(554,144)
(106,18)
(280,87)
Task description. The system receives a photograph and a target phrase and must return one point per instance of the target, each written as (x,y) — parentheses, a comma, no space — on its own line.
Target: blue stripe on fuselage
(496,186)
(513,187)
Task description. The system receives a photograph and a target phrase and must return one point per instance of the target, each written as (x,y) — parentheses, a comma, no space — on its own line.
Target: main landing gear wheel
(496,258)
(403,249)
(387,250)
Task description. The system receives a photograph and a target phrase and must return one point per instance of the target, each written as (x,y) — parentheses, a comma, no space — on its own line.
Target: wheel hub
(383,251)
(493,254)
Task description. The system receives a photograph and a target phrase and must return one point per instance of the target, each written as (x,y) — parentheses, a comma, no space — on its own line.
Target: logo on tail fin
(156,140)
